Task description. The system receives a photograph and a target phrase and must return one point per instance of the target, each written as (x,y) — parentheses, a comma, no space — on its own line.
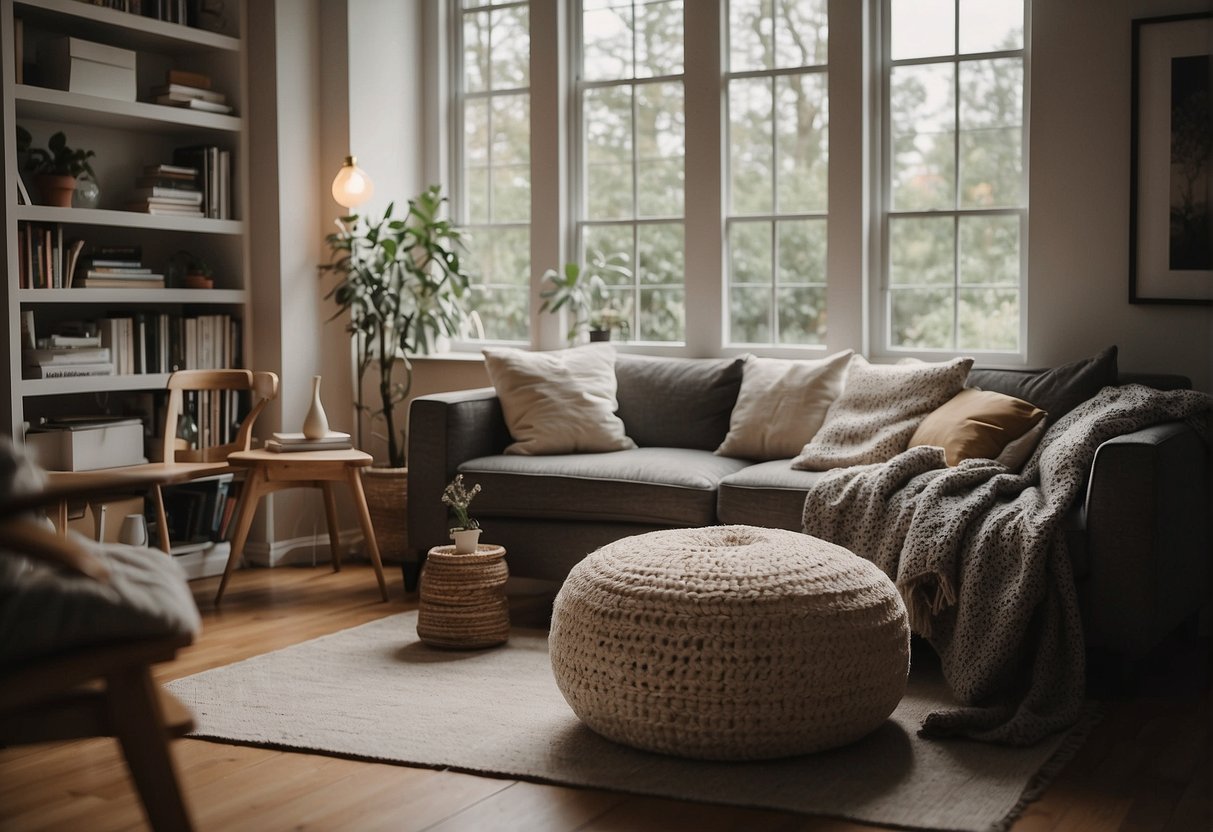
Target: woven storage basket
(387,500)
(729,643)
(463,603)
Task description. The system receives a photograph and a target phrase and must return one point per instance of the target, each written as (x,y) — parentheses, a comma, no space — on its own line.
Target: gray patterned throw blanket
(979,556)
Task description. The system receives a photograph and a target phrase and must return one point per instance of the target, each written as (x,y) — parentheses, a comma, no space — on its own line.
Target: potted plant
(402,284)
(465,529)
(56,168)
(584,293)
(190,271)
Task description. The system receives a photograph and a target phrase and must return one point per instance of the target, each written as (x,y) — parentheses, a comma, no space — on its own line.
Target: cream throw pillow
(879,410)
(781,405)
(558,402)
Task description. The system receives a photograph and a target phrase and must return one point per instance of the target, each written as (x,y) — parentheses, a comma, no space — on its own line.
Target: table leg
(61,518)
(368,531)
(330,511)
(161,518)
(249,497)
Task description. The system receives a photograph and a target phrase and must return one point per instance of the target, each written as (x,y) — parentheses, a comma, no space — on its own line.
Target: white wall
(1078,262)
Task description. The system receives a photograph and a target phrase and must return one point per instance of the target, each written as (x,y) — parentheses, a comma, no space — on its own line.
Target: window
(954,190)
(632,148)
(778,160)
(493,160)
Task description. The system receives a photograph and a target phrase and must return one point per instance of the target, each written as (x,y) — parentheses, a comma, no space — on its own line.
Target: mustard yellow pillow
(977,424)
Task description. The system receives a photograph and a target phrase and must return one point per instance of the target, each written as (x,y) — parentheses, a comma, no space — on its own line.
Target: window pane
(802,120)
(660,150)
(499,261)
(475,52)
(750,253)
(660,256)
(662,314)
(511,159)
(991,115)
(476,193)
(751,161)
(801,33)
(921,318)
(502,312)
(802,252)
(610,241)
(923,132)
(750,316)
(606,48)
(920,251)
(923,28)
(751,35)
(476,158)
(989,251)
(989,319)
(607,127)
(991,25)
(511,56)
(802,318)
(658,38)
(621,308)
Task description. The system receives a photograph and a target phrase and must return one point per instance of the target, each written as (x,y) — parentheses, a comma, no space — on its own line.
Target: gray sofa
(1139,542)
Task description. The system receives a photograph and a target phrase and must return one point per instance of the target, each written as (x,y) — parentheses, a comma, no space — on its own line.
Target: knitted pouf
(729,643)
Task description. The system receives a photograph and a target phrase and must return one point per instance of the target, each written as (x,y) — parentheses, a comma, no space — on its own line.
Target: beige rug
(374,692)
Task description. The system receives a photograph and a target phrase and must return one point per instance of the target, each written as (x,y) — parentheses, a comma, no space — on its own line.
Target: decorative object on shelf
(463,604)
(584,292)
(466,529)
(316,423)
(56,167)
(403,284)
(87,193)
(187,270)
(133,531)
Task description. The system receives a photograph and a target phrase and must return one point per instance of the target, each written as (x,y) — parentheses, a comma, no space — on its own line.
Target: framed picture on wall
(1171,185)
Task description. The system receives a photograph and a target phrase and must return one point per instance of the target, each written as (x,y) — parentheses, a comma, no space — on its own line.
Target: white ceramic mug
(133,531)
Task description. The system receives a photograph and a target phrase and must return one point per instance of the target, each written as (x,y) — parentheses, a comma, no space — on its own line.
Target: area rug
(375,692)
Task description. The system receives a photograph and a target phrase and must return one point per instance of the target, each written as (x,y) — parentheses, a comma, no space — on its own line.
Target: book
(181,92)
(65,355)
(119,283)
(68,370)
(171,171)
(185,77)
(55,340)
(29,334)
(193,104)
(278,447)
(90,261)
(172,183)
(334,436)
(190,196)
(167,210)
(132,276)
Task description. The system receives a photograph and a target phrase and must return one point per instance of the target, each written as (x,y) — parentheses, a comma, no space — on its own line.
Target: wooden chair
(103,690)
(189,464)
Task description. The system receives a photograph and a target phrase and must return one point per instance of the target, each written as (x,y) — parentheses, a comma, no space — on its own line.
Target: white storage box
(89,68)
(88,448)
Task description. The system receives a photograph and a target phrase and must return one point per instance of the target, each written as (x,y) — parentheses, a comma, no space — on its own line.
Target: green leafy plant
(583,292)
(57,159)
(403,285)
(458,497)
(186,262)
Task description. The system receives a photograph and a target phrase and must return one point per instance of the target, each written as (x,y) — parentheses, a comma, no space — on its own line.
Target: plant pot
(463,605)
(387,498)
(600,335)
(56,191)
(197,281)
(466,540)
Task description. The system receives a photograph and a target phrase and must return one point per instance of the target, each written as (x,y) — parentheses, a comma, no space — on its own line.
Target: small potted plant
(189,271)
(466,529)
(584,293)
(56,168)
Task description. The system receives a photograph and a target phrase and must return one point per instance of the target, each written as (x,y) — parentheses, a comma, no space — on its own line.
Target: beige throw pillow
(558,402)
(879,410)
(977,424)
(781,405)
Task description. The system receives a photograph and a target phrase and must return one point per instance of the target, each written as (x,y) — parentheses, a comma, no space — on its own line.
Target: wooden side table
(463,604)
(269,471)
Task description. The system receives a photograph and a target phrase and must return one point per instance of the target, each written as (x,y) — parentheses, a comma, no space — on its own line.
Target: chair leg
(330,511)
(368,530)
(135,715)
(250,495)
(161,518)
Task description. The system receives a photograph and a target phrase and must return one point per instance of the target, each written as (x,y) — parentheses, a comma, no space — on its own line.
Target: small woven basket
(463,603)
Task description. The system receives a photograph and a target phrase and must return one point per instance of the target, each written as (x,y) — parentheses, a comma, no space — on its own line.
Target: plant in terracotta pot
(56,168)
(402,284)
(465,529)
(584,292)
(189,271)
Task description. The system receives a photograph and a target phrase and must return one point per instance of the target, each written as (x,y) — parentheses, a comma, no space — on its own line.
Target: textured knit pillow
(976,424)
(781,405)
(558,402)
(879,410)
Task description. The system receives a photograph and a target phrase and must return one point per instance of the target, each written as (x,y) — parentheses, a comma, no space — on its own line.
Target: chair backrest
(264,385)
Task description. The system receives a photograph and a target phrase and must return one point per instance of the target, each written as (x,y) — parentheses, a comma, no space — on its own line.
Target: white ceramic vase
(316,423)
(133,531)
(465,540)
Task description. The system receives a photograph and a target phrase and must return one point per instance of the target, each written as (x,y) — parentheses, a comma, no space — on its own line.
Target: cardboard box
(89,68)
(88,448)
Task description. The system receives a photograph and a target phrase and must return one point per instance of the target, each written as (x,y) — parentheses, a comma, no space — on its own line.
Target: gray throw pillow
(677,402)
(1056,391)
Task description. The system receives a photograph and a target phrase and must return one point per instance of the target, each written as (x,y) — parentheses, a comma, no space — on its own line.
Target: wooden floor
(1145,767)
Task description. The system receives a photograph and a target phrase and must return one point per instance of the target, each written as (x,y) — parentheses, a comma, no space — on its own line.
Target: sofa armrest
(1147,513)
(446,430)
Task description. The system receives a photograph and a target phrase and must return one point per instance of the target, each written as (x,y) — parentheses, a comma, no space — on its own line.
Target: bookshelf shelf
(129,31)
(56,105)
(93,384)
(127,297)
(127,219)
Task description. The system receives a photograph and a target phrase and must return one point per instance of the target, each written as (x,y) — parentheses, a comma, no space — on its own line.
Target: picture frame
(1171,179)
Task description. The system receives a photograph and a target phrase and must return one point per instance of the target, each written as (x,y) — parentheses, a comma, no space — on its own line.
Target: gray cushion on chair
(677,402)
(675,486)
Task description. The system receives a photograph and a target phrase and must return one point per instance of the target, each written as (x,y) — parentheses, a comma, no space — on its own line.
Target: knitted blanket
(979,555)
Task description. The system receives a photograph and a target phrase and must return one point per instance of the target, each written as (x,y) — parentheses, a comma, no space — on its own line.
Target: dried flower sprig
(459,498)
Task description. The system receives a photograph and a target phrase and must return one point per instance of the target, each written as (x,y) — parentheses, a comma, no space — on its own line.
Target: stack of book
(44,260)
(191,90)
(115,267)
(214,167)
(168,189)
(288,442)
(67,356)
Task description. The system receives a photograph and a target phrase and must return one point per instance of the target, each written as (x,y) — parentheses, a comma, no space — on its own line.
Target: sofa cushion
(675,486)
(782,404)
(767,494)
(558,402)
(1056,391)
(879,410)
(677,402)
(976,424)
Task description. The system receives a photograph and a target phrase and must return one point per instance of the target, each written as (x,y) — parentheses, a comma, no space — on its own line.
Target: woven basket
(729,643)
(387,499)
(463,603)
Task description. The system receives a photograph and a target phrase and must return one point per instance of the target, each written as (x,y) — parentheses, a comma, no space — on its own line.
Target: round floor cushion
(729,643)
